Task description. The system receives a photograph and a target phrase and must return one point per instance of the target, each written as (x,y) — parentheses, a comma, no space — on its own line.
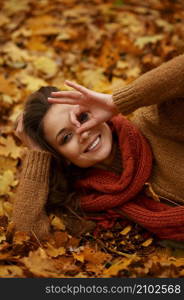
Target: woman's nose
(84,135)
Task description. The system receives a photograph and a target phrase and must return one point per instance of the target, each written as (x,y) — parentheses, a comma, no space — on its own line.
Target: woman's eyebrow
(61,130)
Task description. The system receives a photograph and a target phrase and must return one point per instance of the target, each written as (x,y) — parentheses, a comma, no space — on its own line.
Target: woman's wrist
(113,106)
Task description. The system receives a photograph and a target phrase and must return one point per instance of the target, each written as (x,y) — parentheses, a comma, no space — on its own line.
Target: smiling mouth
(94,145)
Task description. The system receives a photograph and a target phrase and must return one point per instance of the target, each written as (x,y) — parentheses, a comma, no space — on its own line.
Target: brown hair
(61,176)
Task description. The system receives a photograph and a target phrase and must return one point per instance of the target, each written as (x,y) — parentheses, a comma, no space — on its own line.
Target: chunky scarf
(103,190)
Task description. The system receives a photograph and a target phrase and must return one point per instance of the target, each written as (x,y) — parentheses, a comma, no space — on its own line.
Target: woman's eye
(65,138)
(83,117)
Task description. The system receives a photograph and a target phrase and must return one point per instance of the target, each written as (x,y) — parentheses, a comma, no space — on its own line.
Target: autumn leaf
(8,271)
(46,65)
(9,148)
(56,222)
(6,181)
(39,264)
(145,40)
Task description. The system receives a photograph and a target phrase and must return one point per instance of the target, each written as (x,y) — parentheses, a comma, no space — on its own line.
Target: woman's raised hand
(23,137)
(101,106)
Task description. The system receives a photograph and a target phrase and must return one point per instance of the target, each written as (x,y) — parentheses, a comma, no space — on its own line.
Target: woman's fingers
(73,115)
(75,112)
(77,86)
(67,94)
(63,100)
(87,125)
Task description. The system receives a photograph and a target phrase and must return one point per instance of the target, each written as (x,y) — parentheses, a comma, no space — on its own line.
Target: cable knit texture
(156,100)
(158,97)
(29,213)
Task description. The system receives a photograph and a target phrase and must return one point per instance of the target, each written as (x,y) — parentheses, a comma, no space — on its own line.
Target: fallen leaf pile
(102,45)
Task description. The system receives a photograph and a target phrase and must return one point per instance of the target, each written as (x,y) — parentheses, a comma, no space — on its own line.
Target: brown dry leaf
(11,272)
(7,87)
(8,207)
(141,42)
(96,269)
(4,19)
(45,65)
(39,264)
(12,7)
(6,100)
(66,264)
(126,230)
(9,148)
(6,182)
(43,25)
(36,43)
(119,265)
(54,252)
(57,222)
(32,83)
(79,257)
(60,239)
(14,56)
(2,235)
(95,257)
(7,163)
(108,55)
(93,79)
(147,242)
(20,237)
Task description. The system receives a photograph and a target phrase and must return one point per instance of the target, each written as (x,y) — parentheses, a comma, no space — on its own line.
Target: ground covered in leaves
(102,45)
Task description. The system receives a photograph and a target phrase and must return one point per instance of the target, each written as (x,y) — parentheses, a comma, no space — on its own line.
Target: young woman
(95,151)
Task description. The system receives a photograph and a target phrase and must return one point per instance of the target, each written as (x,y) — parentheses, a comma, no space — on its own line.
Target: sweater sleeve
(161,84)
(29,206)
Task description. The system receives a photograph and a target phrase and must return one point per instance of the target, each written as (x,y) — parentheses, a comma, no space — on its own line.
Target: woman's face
(85,149)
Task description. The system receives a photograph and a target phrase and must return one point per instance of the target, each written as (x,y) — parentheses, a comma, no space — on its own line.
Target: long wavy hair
(61,190)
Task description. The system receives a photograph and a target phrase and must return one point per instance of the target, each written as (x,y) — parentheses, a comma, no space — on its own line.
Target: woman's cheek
(72,150)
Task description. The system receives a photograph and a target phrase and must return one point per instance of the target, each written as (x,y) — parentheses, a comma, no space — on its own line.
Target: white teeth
(94,144)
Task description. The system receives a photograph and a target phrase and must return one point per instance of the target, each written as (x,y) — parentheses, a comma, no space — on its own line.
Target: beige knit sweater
(157,97)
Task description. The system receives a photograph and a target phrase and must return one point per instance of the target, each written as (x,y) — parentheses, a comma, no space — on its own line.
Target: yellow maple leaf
(12,7)
(56,222)
(9,148)
(79,257)
(7,163)
(54,252)
(94,79)
(40,264)
(46,65)
(43,25)
(6,181)
(14,56)
(8,271)
(32,83)
(142,41)
(7,87)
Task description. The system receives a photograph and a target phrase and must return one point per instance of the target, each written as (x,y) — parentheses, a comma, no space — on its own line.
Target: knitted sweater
(157,97)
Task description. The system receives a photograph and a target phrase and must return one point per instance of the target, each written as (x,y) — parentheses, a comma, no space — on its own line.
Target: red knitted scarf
(104,190)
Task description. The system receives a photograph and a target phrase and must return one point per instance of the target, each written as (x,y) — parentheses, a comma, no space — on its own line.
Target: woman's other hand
(23,137)
(101,106)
